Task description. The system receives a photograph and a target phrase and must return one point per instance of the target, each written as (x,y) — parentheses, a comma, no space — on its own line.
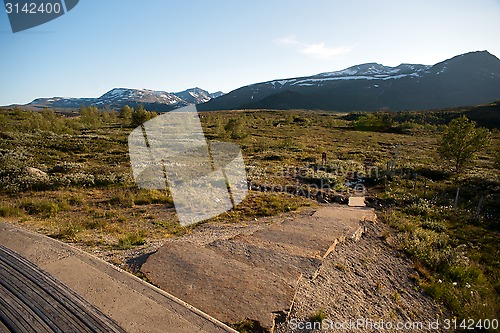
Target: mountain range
(468,79)
(119,97)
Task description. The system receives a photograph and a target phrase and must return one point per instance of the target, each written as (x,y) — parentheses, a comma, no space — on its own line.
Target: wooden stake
(478,209)
(456,199)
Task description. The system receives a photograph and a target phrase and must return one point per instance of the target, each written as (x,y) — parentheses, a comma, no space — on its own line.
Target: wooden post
(425,187)
(456,199)
(478,209)
(415,183)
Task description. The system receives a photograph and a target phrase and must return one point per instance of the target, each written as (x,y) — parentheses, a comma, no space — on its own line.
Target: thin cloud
(318,50)
(288,40)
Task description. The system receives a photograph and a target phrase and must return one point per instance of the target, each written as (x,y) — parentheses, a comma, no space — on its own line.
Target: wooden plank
(17,316)
(34,301)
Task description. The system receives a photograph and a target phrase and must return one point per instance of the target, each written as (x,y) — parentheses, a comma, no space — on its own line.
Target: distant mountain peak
(194,95)
(216,94)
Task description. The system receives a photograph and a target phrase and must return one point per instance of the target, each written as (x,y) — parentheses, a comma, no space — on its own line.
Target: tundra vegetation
(70,177)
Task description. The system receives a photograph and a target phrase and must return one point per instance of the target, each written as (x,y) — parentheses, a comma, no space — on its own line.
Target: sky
(225,44)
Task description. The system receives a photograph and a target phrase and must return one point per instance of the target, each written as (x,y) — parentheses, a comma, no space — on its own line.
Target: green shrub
(374,122)
(173,228)
(10,210)
(81,179)
(249,326)
(426,245)
(433,225)
(124,198)
(426,209)
(318,317)
(146,197)
(68,232)
(107,179)
(76,200)
(456,277)
(132,239)
(43,207)
(269,204)
(235,128)
(66,167)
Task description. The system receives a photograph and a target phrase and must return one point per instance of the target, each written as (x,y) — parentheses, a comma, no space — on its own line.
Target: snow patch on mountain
(370,71)
(123,95)
(375,77)
(216,94)
(118,97)
(374,69)
(194,95)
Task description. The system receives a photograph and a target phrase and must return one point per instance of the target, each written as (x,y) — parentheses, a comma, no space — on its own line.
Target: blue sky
(225,44)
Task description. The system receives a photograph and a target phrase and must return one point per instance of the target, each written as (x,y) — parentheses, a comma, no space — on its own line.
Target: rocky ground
(364,279)
(361,281)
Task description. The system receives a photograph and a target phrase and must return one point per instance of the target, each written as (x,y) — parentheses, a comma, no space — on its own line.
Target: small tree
(140,116)
(461,141)
(376,122)
(126,113)
(90,116)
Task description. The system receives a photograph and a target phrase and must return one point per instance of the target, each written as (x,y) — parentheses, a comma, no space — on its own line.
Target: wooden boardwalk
(31,300)
(136,306)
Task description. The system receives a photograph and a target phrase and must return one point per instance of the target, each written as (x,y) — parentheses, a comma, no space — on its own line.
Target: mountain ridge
(469,79)
(119,97)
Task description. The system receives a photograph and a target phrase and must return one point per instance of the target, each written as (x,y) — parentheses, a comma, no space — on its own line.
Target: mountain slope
(194,96)
(119,97)
(468,79)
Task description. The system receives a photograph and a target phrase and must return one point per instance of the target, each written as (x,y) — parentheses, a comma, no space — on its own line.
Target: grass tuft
(132,239)
(318,317)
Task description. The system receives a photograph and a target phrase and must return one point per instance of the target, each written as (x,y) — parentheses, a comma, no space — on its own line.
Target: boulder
(34,172)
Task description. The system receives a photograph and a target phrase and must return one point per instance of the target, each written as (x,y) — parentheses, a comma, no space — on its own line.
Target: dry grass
(88,195)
